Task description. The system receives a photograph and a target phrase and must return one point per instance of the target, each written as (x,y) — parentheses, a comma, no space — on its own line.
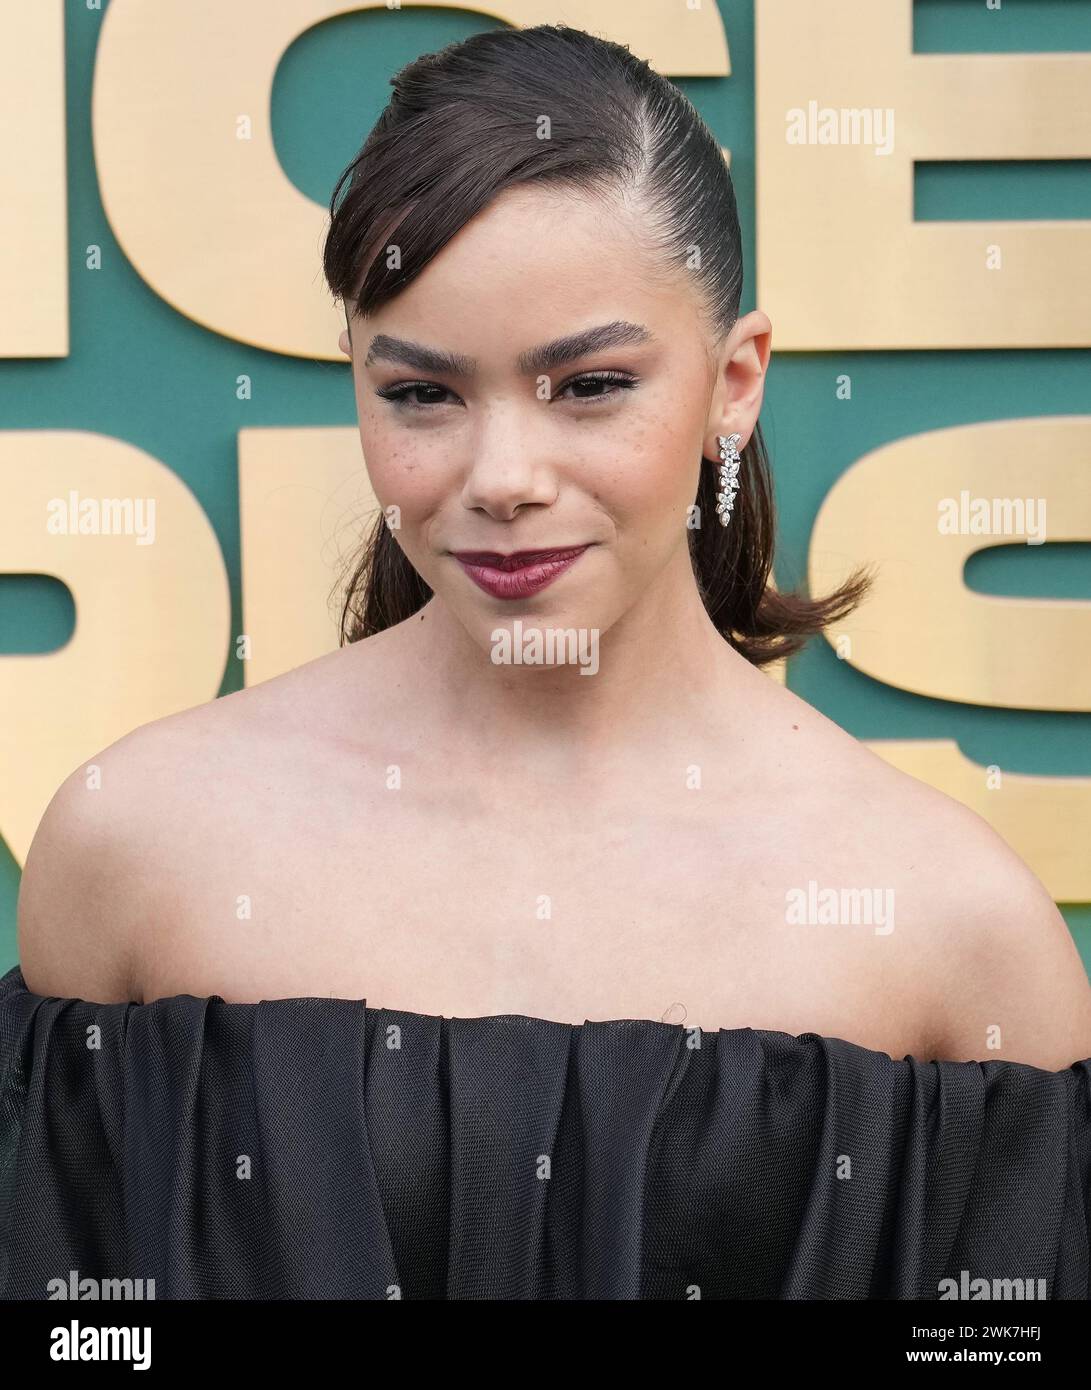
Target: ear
(344,345)
(740,381)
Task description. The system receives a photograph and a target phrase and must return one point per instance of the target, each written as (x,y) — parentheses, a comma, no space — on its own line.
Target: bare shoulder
(990,951)
(124,831)
(1013,986)
(80,891)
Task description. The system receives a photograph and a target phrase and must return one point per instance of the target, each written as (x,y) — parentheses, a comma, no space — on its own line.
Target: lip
(520,574)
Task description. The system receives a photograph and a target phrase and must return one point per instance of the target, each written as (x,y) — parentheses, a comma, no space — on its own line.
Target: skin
(532,784)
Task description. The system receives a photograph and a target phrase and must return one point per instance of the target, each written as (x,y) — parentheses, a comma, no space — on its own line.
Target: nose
(510,467)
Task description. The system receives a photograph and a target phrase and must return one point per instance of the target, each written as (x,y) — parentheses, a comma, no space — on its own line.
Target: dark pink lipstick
(517,575)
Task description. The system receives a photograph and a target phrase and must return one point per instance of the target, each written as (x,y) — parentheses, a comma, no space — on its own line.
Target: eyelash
(399,393)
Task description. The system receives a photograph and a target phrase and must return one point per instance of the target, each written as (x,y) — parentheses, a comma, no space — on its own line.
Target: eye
(598,386)
(597,382)
(401,392)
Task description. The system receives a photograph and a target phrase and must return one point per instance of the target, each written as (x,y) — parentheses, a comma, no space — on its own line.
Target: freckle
(795,726)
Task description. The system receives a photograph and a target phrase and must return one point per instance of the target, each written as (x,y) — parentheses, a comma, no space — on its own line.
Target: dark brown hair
(463,125)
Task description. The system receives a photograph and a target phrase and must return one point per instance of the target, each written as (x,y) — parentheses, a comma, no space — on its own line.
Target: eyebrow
(536,360)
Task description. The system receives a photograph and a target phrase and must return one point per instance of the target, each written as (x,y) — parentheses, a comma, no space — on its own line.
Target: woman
(514,842)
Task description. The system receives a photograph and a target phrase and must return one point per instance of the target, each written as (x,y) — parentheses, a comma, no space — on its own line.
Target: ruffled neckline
(496,1024)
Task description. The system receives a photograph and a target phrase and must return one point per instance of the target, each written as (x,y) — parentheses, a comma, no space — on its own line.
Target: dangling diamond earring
(729,481)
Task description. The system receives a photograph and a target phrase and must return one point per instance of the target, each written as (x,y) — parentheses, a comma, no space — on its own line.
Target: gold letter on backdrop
(152,607)
(211,221)
(1046,820)
(841,262)
(915,509)
(305,509)
(33,265)
(921,628)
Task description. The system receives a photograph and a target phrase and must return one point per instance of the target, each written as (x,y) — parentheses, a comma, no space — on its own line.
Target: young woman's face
(521,442)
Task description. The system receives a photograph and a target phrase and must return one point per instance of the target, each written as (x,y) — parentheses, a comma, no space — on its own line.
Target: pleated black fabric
(307,1148)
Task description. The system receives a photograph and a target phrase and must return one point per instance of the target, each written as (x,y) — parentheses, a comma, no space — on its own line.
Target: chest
(560,910)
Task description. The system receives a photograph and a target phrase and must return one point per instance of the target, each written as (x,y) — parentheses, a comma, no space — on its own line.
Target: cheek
(402,466)
(653,475)
(405,475)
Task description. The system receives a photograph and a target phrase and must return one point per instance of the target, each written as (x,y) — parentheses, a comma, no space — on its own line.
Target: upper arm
(75,919)
(1014,986)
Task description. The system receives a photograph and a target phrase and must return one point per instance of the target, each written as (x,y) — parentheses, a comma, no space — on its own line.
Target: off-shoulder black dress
(305,1148)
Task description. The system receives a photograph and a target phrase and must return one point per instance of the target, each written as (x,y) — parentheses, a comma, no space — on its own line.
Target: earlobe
(343,343)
